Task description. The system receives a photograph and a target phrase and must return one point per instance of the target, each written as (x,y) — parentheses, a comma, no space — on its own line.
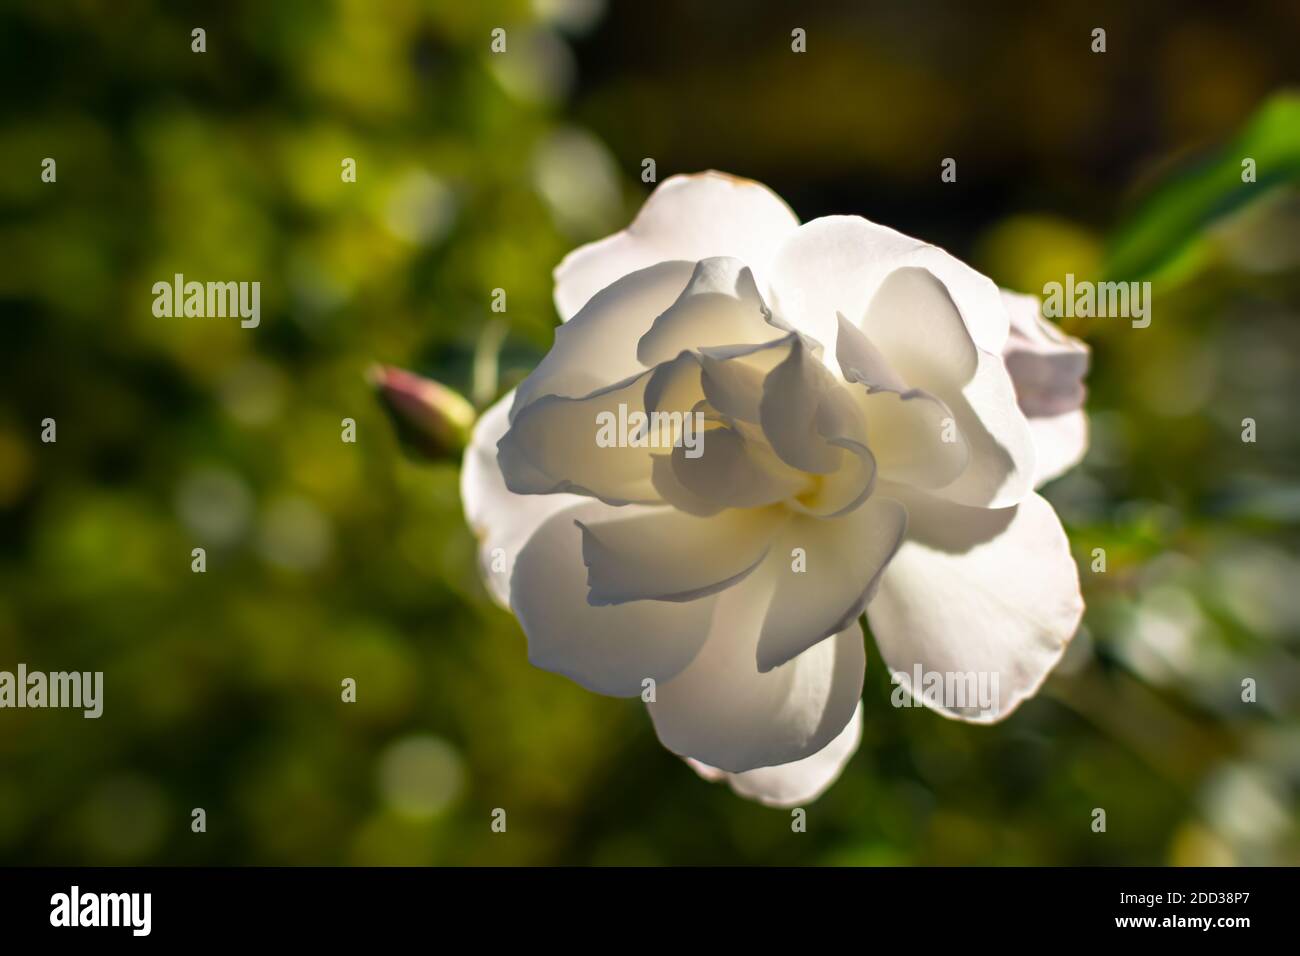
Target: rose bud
(432,420)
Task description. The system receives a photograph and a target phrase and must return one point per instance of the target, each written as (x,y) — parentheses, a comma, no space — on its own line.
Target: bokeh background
(329,560)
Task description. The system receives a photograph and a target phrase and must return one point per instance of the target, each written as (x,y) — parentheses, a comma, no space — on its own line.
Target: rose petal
(840,491)
(860,361)
(912,434)
(502,520)
(1002,462)
(610,650)
(719,306)
(914,323)
(722,711)
(1046,365)
(802,407)
(733,376)
(552,446)
(842,559)
(915,438)
(664,555)
(1047,368)
(686,217)
(791,784)
(837,263)
(1060,442)
(979,591)
(730,471)
(673,492)
(598,346)
(596,445)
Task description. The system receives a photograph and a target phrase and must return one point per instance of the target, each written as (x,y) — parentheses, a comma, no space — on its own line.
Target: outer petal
(976,590)
(837,263)
(499,517)
(722,711)
(686,217)
(1047,367)
(609,650)
(1060,443)
(792,784)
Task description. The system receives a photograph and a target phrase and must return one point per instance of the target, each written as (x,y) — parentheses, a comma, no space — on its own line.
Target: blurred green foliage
(329,560)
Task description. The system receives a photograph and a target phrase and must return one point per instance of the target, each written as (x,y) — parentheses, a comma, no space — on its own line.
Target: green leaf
(1165,238)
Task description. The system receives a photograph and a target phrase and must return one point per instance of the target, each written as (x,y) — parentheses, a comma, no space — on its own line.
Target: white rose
(860,396)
